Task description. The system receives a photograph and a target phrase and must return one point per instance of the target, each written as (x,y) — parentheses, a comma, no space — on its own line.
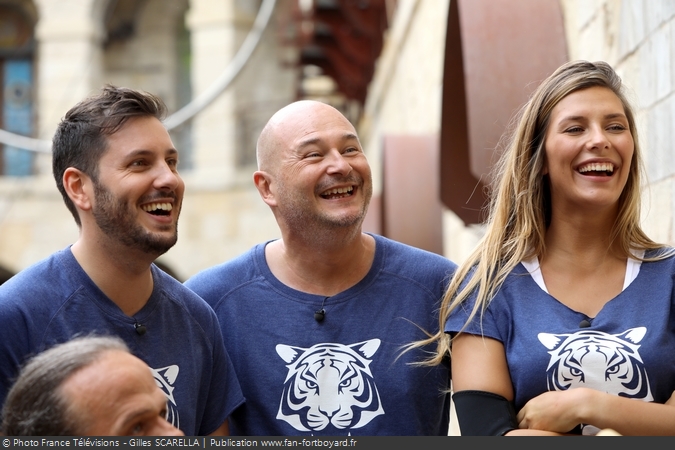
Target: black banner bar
(319,443)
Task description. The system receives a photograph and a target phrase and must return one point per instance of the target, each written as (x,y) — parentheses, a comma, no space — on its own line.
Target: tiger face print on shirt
(329,384)
(606,362)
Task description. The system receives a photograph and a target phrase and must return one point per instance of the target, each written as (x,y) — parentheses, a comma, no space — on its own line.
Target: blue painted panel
(17,114)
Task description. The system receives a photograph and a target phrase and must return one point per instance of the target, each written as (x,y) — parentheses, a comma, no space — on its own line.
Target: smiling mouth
(158,209)
(338,193)
(597,169)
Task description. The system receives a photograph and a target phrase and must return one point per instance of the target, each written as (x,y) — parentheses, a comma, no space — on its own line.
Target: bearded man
(117,170)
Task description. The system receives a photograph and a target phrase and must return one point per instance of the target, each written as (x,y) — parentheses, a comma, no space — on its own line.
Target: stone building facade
(177,49)
(638,39)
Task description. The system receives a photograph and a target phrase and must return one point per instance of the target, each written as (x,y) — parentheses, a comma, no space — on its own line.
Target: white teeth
(339,191)
(155,206)
(597,167)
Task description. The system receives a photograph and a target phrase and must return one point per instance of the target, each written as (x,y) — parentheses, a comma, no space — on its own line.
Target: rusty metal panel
(411,207)
(497,52)
(373,220)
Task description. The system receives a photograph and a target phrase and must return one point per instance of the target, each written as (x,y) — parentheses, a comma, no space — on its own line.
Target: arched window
(16,80)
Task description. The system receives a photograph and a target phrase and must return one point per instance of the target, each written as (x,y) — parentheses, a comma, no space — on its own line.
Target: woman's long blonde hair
(519,209)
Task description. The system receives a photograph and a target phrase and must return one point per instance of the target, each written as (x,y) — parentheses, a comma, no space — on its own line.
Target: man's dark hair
(81,137)
(35,405)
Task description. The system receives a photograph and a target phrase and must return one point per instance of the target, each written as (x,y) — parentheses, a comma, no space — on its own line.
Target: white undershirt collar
(632,270)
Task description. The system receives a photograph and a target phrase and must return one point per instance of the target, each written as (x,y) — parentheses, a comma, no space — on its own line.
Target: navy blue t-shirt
(342,375)
(54,300)
(626,350)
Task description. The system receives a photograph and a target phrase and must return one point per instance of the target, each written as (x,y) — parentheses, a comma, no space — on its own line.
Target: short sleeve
(482,323)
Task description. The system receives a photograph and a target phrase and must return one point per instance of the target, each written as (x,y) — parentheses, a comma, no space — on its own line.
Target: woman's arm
(558,410)
(479,364)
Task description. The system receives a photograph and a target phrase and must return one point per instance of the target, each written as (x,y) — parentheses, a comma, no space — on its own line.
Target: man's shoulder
(225,276)
(411,256)
(177,300)
(46,275)
(175,289)
(30,300)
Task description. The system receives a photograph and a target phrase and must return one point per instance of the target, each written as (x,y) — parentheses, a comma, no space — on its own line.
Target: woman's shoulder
(659,258)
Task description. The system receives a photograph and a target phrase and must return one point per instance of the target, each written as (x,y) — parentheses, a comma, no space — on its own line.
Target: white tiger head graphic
(165,377)
(329,384)
(605,362)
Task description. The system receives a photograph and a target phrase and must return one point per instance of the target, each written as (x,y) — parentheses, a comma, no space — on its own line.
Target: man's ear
(263,182)
(79,188)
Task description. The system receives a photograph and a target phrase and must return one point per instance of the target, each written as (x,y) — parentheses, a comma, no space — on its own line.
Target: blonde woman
(562,321)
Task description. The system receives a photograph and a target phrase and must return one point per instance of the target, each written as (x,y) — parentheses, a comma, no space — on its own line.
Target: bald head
(313,173)
(117,396)
(90,385)
(34,405)
(290,123)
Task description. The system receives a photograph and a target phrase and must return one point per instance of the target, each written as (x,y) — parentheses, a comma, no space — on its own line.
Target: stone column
(69,35)
(213,40)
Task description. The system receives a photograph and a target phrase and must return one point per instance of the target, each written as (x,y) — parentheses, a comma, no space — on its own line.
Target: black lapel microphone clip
(320,314)
(140,328)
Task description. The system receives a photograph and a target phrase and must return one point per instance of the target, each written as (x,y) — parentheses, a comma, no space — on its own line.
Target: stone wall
(637,38)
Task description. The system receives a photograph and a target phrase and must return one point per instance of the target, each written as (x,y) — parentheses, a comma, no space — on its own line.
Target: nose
(337,163)
(598,138)
(166,177)
(164,428)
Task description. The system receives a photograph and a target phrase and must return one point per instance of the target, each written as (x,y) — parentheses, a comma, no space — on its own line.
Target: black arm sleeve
(483,413)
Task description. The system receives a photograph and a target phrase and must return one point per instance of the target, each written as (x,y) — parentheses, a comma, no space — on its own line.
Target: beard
(300,213)
(118,221)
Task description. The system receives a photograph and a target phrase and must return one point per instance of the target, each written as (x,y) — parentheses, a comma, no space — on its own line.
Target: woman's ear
(263,182)
(79,188)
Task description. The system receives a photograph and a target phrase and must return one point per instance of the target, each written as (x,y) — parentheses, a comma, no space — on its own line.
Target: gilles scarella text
(165,442)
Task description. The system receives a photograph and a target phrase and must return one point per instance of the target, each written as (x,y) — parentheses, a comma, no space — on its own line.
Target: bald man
(314,322)
(89,386)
